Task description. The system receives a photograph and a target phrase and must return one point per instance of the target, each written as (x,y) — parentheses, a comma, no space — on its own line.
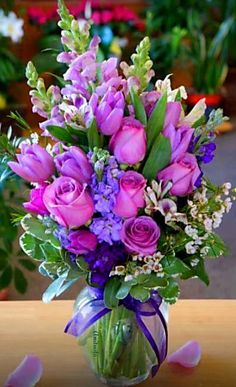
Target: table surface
(32,327)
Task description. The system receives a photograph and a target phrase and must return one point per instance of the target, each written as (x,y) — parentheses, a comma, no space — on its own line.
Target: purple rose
(180,139)
(81,242)
(36,204)
(183,173)
(140,235)
(131,195)
(69,202)
(74,163)
(34,164)
(129,143)
(109,112)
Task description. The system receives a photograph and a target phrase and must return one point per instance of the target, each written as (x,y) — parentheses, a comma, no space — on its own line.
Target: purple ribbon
(148,316)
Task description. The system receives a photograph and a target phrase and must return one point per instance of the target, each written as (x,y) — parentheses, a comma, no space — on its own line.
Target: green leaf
(94,138)
(171,292)
(156,121)
(140,113)
(20,281)
(27,264)
(61,133)
(201,273)
(110,292)
(140,293)
(125,289)
(174,266)
(6,277)
(3,259)
(216,246)
(82,264)
(35,228)
(51,254)
(151,281)
(158,158)
(31,246)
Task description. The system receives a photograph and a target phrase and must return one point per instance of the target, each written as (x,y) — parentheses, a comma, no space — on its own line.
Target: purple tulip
(140,235)
(81,242)
(74,163)
(34,164)
(180,139)
(109,112)
(183,173)
(149,100)
(173,112)
(129,143)
(36,204)
(69,202)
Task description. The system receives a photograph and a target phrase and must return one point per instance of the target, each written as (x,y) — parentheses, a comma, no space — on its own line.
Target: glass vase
(120,343)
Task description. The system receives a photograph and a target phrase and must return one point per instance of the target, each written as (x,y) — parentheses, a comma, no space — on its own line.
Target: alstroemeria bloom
(179,139)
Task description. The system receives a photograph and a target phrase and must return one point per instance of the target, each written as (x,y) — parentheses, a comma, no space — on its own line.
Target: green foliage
(94,138)
(171,292)
(111,288)
(140,113)
(158,158)
(156,120)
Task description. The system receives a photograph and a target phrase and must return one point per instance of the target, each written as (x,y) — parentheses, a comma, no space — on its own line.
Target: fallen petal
(27,374)
(187,356)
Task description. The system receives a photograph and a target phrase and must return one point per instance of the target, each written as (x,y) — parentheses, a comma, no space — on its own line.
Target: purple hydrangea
(102,261)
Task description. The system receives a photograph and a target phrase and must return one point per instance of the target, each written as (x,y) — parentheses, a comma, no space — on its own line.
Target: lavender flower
(107,228)
(204,151)
(103,260)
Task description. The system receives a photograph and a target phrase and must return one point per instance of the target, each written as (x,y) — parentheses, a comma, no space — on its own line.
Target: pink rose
(81,242)
(140,235)
(131,195)
(183,173)
(69,202)
(129,143)
(36,204)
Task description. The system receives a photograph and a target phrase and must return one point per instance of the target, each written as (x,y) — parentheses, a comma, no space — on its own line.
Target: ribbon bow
(148,316)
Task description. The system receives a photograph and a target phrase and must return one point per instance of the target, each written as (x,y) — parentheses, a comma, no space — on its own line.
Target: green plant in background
(208,56)
(11,32)
(11,189)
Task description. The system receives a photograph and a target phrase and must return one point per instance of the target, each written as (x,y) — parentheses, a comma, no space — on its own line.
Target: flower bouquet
(119,198)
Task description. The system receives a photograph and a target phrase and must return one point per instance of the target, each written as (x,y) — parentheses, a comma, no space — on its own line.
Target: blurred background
(194,40)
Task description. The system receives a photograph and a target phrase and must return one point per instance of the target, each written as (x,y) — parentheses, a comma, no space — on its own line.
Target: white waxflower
(194,262)
(228,204)
(11,27)
(226,187)
(194,211)
(191,231)
(208,224)
(190,248)
(147,269)
(128,277)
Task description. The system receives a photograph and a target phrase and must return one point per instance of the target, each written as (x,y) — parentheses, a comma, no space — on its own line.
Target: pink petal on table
(187,356)
(27,374)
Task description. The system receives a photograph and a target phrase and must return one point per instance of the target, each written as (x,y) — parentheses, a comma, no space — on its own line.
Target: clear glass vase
(115,345)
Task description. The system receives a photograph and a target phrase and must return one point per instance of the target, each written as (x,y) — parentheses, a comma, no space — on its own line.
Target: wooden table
(32,327)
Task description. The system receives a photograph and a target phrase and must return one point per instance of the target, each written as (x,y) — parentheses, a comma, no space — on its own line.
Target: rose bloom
(69,202)
(140,235)
(129,143)
(36,204)
(74,163)
(34,164)
(183,173)
(81,242)
(131,195)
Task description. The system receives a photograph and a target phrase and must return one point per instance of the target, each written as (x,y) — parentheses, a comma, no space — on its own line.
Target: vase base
(123,382)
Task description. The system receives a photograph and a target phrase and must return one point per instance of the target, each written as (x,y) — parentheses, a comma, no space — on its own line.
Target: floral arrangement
(11,31)
(120,198)
(122,195)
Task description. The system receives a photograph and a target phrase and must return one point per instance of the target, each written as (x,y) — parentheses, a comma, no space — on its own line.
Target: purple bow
(154,328)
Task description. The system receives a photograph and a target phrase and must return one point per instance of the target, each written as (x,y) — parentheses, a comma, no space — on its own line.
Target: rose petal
(187,356)
(27,374)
